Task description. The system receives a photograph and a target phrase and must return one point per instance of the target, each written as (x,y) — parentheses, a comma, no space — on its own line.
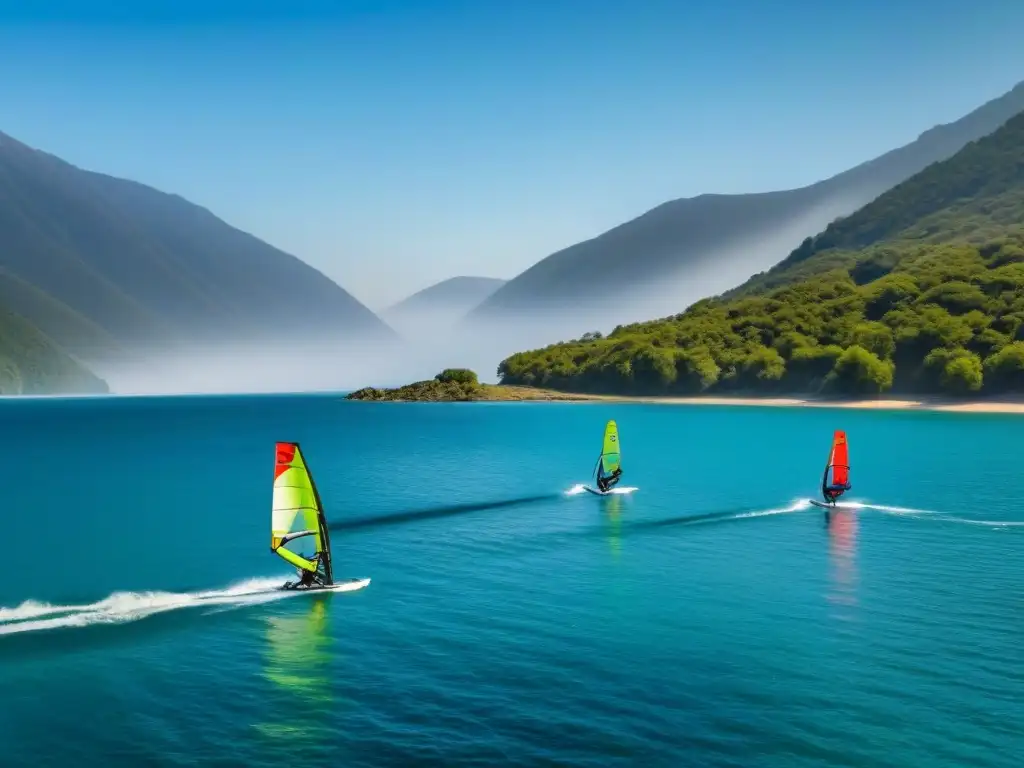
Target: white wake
(122,607)
(797,506)
(931,514)
(582,488)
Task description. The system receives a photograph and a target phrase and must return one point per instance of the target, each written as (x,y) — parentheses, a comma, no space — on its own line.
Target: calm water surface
(710,618)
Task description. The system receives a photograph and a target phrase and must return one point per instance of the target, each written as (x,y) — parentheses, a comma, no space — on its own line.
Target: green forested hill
(920,291)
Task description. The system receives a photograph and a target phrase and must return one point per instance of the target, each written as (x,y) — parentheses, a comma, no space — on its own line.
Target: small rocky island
(455,385)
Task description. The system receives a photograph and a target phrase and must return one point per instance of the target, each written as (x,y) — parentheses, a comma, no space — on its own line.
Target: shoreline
(938,405)
(491,393)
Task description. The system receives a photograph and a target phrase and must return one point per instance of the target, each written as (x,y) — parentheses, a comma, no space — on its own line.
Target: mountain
(108,267)
(31,364)
(922,291)
(441,304)
(697,246)
(975,196)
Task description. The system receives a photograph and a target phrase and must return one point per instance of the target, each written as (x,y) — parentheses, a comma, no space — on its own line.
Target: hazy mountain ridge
(717,235)
(973,196)
(439,307)
(149,270)
(463,289)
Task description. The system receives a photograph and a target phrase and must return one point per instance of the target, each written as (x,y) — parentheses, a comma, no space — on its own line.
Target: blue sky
(393,144)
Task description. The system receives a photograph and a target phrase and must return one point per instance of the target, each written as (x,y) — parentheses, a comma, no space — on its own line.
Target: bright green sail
(297,513)
(611,456)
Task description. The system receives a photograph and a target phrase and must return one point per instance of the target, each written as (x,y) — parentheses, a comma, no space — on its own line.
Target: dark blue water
(709,618)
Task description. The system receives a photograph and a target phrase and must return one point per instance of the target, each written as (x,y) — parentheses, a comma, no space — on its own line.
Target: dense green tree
(963,374)
(875,337)
(858,371)
(1005,368)
(462,376)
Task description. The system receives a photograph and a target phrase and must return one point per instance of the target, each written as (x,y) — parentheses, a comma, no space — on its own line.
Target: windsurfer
(306,579)
(605,484)
(833,492)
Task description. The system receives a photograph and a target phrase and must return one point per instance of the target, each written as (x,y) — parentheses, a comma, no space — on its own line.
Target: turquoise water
(709,618)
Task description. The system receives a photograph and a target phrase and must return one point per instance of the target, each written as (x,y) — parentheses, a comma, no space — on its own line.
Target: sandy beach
(917,404)
(508,393)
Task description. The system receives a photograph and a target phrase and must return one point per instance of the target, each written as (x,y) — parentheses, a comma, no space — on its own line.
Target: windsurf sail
(611,453)
(297,515)
(836,480)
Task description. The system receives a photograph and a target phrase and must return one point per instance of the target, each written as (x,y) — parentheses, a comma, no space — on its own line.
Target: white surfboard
(618,490)
(834,507)
(348,585)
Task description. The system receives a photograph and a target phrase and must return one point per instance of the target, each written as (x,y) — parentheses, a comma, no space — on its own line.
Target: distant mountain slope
(975,196)
(718,239)
(56,320)
(920,291)
(146,269)
(31,364)
(443,302)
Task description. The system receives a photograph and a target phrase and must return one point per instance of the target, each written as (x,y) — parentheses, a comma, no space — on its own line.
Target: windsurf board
(348,585)
(836,507)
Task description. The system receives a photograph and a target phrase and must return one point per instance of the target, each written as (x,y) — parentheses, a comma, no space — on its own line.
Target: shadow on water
(434,513)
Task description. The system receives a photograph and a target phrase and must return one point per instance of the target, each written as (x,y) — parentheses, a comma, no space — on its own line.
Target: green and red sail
(297,515)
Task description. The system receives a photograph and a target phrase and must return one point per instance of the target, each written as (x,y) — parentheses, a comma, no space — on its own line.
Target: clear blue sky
(393,144)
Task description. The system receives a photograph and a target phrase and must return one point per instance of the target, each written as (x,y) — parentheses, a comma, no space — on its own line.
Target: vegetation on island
(920,291)
(456,385)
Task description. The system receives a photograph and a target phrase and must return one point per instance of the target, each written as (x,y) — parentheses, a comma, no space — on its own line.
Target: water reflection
(297,662)
(842,535)
(613,516)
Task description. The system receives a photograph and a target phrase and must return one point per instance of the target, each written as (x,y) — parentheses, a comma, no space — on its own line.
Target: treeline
(908,317)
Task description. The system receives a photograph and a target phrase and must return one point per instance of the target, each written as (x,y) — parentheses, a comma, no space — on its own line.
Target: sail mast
(325,536)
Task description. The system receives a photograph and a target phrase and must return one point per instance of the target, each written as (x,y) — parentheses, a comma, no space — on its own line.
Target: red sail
(285,456)
(840,459)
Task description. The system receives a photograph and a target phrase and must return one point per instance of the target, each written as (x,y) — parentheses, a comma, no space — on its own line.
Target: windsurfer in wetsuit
(306,579)
(604,484)
(833,492)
